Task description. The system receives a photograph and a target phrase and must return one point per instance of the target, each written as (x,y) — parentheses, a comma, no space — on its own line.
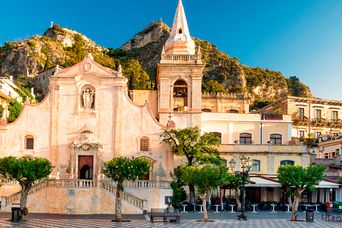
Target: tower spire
(180,41)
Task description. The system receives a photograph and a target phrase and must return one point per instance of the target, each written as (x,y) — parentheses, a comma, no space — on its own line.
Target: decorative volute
(180,41)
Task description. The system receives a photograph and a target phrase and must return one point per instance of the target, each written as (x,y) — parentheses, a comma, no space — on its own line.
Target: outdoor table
(184,206)
(316,206)
(201,208)
(288,208)
(216,208)
(194,207)
(254,205)
(222,206)
(232,208)
(273,206)
(306,206)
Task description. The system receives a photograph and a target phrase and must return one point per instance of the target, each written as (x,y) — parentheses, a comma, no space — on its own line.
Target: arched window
(218,134)
(255,166)
(245,138)
(287,162)
(180,96)
(144,144)
(206,110)
(233,111)
(29,142)
(275,139)
(88,97)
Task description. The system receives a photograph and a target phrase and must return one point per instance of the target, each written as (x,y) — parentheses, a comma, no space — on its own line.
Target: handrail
(70,183)
(131,199)
(146,184)
(7,200)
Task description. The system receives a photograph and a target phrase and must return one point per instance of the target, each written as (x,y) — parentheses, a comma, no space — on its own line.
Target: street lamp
(245,166)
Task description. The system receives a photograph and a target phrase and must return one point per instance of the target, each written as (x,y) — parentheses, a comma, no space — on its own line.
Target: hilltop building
(87,119)
(8,90)
(312,117)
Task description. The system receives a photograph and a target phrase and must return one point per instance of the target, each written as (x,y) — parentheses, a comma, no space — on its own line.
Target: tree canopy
(297,179)
(137,77)
(26,171)
(197,148)
(205,178)
(121,169)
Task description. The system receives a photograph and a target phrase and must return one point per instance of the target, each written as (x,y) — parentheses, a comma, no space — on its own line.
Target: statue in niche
(88,98)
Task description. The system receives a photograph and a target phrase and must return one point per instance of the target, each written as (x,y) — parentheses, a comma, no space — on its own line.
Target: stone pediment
(88,66)
(86,140)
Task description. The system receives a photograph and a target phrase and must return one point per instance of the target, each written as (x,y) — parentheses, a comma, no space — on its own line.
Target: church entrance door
(85,167)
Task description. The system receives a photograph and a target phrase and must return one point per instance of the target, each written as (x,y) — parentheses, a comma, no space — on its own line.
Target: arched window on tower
(180,96)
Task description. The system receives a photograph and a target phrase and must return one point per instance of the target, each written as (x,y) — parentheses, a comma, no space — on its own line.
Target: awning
(262,182)
(327,184)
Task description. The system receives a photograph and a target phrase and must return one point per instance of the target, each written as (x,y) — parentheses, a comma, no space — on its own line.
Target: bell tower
(179,76)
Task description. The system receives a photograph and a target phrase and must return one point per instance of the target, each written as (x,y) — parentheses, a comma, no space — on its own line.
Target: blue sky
(295,37)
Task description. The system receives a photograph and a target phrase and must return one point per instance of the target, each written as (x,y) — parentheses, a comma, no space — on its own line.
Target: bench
(164,214)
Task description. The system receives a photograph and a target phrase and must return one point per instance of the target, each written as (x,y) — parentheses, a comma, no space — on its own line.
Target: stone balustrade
(144,184)
(179,58)
(70,183)
(107,185)
(131,199)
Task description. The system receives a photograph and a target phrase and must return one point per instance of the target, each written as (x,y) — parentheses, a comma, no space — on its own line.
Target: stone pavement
(260,220)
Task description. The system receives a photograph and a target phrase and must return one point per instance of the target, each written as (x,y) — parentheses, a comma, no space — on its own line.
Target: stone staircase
(14,199)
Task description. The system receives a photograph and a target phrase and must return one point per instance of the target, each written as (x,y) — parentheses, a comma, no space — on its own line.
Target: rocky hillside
(222,73)
(57,46)
(262,85)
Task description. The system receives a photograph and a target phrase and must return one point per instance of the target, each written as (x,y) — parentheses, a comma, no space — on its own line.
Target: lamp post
(245,166)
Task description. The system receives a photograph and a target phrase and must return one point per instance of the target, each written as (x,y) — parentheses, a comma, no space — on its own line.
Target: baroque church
(88,117)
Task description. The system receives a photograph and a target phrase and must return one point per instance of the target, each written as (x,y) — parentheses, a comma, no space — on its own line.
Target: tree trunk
(204,203)
(296,199)
(237,199)
(192,193)
(23,200)
(118,205)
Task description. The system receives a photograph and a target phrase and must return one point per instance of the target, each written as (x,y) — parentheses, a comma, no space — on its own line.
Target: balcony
(317,122)
(262,148)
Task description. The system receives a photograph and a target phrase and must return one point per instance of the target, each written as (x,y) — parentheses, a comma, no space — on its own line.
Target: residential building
(312,117)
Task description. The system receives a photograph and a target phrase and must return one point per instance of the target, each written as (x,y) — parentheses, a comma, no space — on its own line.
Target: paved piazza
(262,220)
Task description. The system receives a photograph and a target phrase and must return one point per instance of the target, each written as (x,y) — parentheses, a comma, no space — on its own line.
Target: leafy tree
(296,88)
(205,178)
(297,179)
(178,192)
(235,182)
(26,171)
(197,148)
(213,86)
(121,169)
(1,111)
(137,77)
(14,110)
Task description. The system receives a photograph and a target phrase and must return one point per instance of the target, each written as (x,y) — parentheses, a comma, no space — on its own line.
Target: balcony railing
(317,122)
(261,148)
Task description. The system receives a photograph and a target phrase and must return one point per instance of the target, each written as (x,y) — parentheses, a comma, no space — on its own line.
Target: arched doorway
(86,172)
(180,96)
(85,167)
